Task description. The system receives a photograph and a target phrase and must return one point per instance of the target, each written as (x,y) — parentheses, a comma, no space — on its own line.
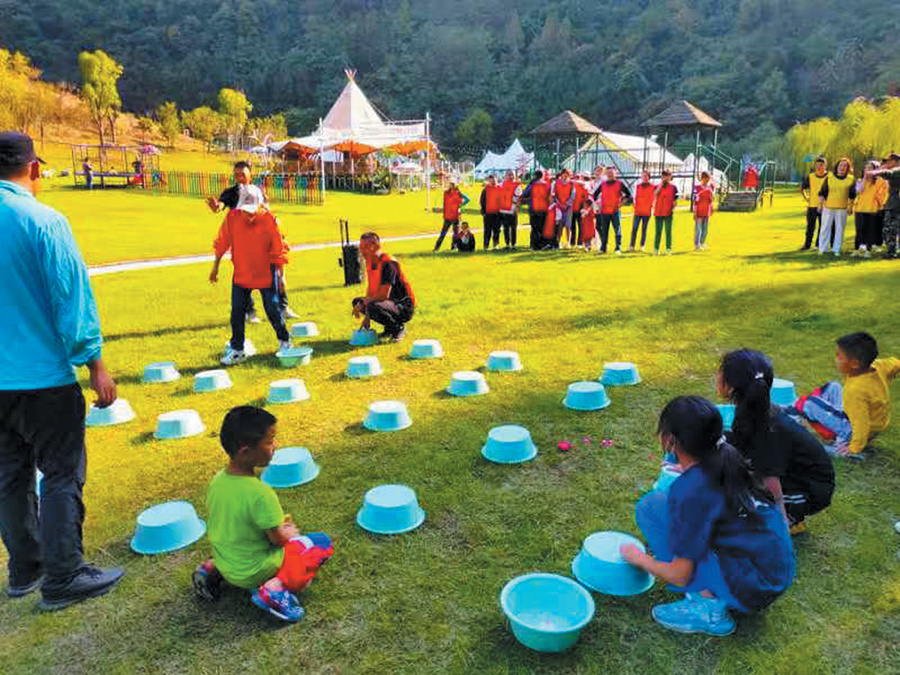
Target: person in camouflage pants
(890,171)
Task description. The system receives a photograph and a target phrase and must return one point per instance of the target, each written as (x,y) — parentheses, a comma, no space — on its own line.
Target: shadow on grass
(329,347)
(810,260)
(160,332)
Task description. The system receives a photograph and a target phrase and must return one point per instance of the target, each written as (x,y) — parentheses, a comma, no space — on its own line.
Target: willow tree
(100,91)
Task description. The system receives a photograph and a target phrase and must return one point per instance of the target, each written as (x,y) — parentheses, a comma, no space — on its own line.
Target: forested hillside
(757,65)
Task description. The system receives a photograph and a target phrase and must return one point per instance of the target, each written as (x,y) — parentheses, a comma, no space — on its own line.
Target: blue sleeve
(74,310)
(693,510)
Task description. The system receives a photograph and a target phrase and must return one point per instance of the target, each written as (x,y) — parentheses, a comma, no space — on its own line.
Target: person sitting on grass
(854,414)
(255,546)
(789,460)
(717,534)
(251,233)
(389,297)
(465,242)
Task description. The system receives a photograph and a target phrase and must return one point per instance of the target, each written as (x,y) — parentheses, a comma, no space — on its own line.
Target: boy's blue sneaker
(282,604)
(695,614)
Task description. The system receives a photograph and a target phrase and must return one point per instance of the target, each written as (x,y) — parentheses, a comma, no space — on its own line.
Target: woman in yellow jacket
(871,194)
(836,201)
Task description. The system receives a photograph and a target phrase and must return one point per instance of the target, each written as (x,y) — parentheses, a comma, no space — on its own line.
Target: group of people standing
(578,210)
(874,200)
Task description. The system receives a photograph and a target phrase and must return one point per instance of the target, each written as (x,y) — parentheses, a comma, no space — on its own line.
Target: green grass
(427,602)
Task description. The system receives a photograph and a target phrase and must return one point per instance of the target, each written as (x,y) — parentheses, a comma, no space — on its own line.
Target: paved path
(130,266)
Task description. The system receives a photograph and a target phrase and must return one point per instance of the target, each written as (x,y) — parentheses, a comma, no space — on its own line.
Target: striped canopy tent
(629,154)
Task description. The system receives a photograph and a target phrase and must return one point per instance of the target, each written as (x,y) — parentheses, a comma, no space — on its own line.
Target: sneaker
(90,582)
(866,254)
(284,345)
(837,254)
(657,252)
(695,614)
(643,249)
(290,314)
(704,247)
(233,356)
(207,581)
(897,527)
(252,318)
(398,337)
(20,588)
(669,251)
(282,604)
(618,251)
(631,249)
(876,249)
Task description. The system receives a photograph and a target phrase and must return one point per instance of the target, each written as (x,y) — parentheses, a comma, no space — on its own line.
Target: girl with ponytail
(717,534)
(791,463)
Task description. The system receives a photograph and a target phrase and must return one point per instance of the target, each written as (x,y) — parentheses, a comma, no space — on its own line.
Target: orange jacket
(255,244)
(644,196)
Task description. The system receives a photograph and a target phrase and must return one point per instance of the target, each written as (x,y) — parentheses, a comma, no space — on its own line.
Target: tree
(146,126)
(169,121)
(204,123)
(234,109)
(772,95)
(476,129)
(101,74)
(264,129)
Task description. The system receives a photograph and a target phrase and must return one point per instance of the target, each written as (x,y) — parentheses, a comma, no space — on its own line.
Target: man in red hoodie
(251,233)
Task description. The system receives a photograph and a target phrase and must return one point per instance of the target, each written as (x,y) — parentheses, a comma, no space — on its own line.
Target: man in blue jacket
(50,326)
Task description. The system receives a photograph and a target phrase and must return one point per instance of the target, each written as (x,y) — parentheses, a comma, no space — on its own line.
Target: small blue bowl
(117,413)
(726,410)
(363,366)
(600,566)
(161,372)
(426,349)
(509,444)
(294,356)
(783,392)
(387,416)
(390,509)
(290,390)
(178,424)
(667,476)
(290,467)
(588,395)
(211,380)
(504,362)
(167,527)
(546,611)
(620,374)
(468,383)
(304,329)
(364,338)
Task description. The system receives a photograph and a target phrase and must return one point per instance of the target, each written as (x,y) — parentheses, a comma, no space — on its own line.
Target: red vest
(665,200)
(563,191)
(610,196)
(580,197)
(644,195)
(703,199)
(540,197)
(493,198)
(588,226)
(550,224)
(452,202)
(508,188)
(373,277)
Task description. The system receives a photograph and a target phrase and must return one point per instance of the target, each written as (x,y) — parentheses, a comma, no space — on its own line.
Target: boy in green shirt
(254,545)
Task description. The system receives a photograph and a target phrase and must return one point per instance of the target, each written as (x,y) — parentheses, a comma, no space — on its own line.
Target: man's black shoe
(399,336)
(19,588)
(88,583)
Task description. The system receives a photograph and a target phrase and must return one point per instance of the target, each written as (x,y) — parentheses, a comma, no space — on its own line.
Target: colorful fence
(282,187)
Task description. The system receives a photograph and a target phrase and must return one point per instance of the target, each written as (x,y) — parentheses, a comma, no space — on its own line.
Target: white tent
(629,154)
(514,159)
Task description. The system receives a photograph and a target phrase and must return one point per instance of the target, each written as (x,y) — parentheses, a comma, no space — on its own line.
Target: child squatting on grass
(255,546)
(790,461)
(855,413)
(717,535)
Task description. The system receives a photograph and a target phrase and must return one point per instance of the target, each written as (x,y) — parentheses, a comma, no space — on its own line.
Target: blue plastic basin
(364,338)
(726,410)
(117,413)
(509,444)
(599,565)
(363,366)
(161,372)
(290,467)
(546,611)
(468,383)
(304,329)
(390,509)
(387,416)
(504,362)
(619,374)
(295,356)
(783,392)
(290,390)
(588,395)
(167,527)
(426,349)
(211,380)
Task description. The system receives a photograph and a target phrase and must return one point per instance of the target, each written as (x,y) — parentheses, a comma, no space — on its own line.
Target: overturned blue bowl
(117,413)
(290,467)
(600,566)
(290,390)
(363,366)
(211,380)
(504,362)
(390,509)
(468,383)
(783,392)
(546,612)
(620,374)
(294,356)
(426,349)
(509,444)
(304,329)
(726,410)
(364,338)
(164,371)
(387,416)
(178,424)
(167,527)
(587,395)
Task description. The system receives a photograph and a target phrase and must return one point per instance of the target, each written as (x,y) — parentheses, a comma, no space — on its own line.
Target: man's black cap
(16,149)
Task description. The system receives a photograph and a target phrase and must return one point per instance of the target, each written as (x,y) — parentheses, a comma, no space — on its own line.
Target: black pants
(240,297)
(607,219)
(43,428)
(813,216)
(868,230)
(805,499)
(510,224)
(639,222)
(537,229)
(390,315)
(282,297)
(491,230)
(575,230)
(447,225)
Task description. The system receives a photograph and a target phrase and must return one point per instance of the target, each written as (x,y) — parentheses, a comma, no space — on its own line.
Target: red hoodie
(255,244)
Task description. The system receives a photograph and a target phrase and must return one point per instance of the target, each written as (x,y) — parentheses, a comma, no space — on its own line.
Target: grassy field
(427,602)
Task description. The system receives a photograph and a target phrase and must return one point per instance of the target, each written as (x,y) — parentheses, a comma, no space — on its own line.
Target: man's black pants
(390,315)
(447,225)
(43,428)
(491,229)
(538,218)
(240,298)
(510,224)
(802,500)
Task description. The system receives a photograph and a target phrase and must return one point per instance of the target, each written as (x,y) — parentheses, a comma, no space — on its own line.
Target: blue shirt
(48,317)
(755,553)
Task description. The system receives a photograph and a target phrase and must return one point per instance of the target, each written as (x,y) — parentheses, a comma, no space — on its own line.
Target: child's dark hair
(841,161)
(241,165)
(859,346)
(244,426)
(697,426)
(749,374)
(537,175)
